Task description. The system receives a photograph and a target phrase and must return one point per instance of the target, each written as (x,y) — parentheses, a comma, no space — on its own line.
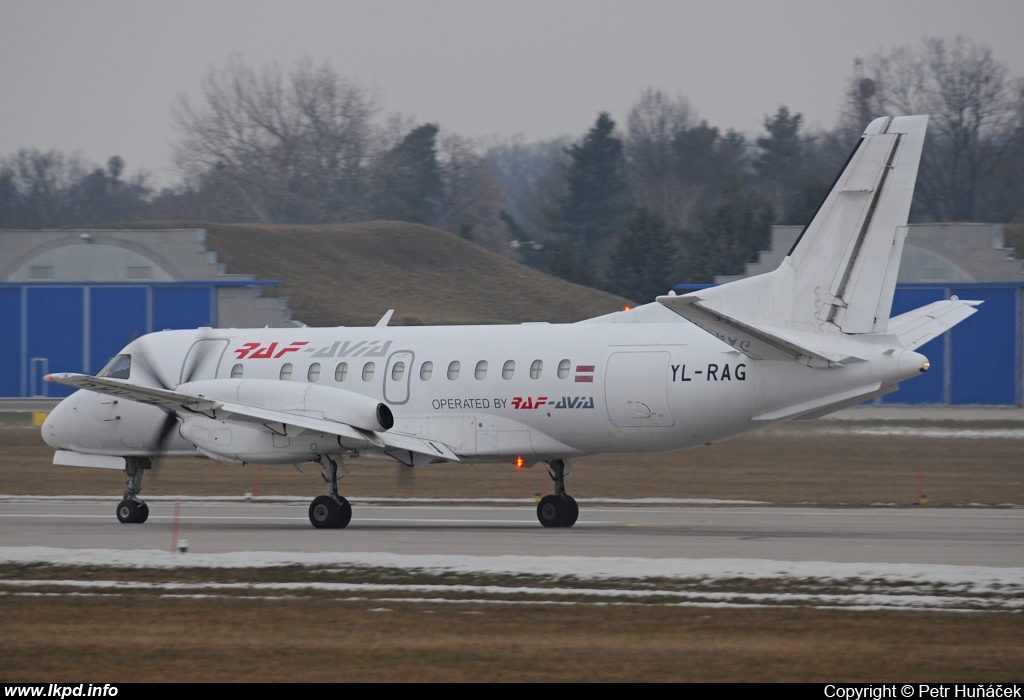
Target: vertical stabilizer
(841,274)
(857,236)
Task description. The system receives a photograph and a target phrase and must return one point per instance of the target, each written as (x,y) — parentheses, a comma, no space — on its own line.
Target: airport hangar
(71,299)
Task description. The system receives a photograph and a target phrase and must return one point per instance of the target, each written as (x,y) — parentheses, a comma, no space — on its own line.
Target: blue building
(70,300)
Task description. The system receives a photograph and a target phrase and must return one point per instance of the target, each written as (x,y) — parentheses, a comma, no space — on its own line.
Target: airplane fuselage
(622,383)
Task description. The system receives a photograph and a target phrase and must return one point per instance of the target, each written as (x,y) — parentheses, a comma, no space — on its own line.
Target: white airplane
(809,338)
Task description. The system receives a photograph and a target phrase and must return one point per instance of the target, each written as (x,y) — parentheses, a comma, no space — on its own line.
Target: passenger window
(118,368)
(398,371)
(314,372)
(453,370)
(563,369)
(236,371)
(341,371)
(481,369)
(426,370)
(535,369)
(286,371)
(368,371)
(508,370)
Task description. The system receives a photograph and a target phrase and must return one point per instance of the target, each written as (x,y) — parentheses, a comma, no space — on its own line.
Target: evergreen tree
(594,207)
(570,262)
(705,157)
(805,202)
(408,185)
(641,266)
(730,234)
(597,202)
(779,163)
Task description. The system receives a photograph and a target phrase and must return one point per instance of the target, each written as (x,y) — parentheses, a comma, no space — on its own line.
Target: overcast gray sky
(99,76)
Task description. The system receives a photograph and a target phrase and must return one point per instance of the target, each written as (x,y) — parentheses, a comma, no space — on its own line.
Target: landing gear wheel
(332,510)
(572,511)
(143,513)
(128,511)
(324,512)
(344,513)
(552,511)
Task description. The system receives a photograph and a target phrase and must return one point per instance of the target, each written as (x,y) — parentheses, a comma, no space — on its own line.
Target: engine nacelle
(232,442)
(312,400)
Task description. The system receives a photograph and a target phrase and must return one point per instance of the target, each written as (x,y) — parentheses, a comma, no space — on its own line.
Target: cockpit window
(118,368)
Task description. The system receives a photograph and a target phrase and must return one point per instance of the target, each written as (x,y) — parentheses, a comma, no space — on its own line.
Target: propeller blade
(144,372)
(167,428)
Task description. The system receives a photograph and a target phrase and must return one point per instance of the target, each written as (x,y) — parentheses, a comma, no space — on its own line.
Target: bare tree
(975,119)
(41,189)
(278,147)
(531,178)
(38,187)
(473,200)
(653,128)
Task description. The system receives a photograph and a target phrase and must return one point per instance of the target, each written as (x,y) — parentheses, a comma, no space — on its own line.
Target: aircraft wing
(408,449)
(161,398)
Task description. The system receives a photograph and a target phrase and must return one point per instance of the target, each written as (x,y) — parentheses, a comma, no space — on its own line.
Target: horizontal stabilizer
(917,327)
(754,341)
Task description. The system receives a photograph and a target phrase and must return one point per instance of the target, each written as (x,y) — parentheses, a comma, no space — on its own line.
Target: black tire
(324,512)
(344,513)
(572,511)
(127,511)
(551,511)
(143,513)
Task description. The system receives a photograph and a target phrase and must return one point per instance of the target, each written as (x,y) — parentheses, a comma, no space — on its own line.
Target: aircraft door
(636,389)
(203,359)
(397,376)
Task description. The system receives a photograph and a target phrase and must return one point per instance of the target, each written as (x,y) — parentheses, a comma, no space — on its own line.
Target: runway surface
(963,537)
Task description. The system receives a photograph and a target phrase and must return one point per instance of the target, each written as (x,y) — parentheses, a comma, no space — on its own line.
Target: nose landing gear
(559,509)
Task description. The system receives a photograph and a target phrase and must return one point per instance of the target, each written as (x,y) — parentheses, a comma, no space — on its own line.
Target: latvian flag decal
(584,373)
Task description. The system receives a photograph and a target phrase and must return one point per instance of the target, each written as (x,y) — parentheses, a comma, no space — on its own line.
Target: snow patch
(976,579)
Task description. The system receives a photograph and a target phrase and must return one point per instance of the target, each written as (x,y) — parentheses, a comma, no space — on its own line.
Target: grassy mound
(350,274)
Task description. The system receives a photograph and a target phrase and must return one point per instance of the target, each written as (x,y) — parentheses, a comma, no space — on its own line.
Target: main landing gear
(559,509)
(332,510)
(131,509)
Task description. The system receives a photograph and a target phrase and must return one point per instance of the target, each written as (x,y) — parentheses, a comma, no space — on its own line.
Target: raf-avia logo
(529,402)
(348,348)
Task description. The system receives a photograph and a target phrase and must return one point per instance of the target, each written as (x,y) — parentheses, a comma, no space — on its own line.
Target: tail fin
(840,276)
(849,255)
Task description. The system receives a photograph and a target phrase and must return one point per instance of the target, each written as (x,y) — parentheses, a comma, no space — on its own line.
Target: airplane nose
(57,425)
